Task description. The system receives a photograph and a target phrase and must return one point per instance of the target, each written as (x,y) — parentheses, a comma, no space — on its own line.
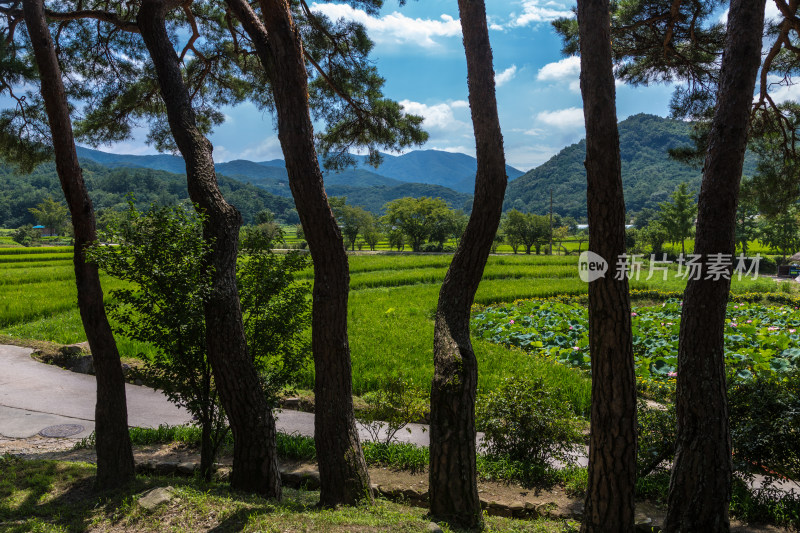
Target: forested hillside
(649,175)
(109,187)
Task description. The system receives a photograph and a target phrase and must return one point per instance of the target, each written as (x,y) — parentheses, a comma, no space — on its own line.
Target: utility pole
(551,221)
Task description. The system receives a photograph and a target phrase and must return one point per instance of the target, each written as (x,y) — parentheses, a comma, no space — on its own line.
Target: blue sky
(418,50)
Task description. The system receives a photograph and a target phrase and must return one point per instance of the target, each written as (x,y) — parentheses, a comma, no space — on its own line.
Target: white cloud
(569,67)
(395,28)
(535,11)
(438,116)
(506,76)
(459,104)
(567,70)
(564,119)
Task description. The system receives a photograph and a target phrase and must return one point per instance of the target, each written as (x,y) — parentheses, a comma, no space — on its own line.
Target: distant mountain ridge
(432,167)
(649,175)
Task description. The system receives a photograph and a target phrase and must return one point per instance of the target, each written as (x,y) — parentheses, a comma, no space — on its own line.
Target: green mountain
(648,174)
(433,167)
(109,187)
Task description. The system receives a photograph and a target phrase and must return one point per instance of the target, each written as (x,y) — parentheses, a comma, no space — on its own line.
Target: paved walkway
(35,396)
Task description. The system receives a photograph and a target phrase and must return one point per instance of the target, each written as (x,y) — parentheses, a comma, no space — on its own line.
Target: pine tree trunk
(255,461)
(343,472)
(453,475)
(700,486)
(115,464)
(612,443)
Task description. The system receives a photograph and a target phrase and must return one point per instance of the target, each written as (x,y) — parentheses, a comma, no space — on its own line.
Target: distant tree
(459,224)
(354,221)
(527,229)
(747,217)
(581,237)
(655,235)
(559,235)
(515,228)
(397,239)
(25,235)
(644,216)
(417,217)
(265,216)
(51,214)
(539,232)
(781,232)
(677,216)
(371,234)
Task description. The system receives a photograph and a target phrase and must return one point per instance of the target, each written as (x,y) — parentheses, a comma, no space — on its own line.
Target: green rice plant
(19,276)
(33,258)
(35,251)
(36,264)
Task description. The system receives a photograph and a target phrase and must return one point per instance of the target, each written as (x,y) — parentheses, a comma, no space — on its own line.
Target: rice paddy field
(392,302)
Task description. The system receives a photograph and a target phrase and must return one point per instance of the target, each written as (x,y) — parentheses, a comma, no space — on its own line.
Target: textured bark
(612,442)
(115,464)
(255,461)
(453,477)
(343,472)
(701,476)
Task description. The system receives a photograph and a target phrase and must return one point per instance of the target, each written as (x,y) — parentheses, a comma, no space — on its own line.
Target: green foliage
(677,216)
(780,232)
(654,234)
(525,229)
(765,417)
(354,221)
(51,214)
(527,421)
(395,404)
(109,188)
(417,218)
(648,173)
(657,429)
(25,235)
(163,255)
(276,310)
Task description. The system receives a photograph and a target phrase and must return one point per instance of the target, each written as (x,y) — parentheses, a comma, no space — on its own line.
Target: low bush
(765,417)
(527,421)
(656,437)
(396,403)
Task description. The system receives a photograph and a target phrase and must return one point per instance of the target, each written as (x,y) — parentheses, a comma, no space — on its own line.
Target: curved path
(34,396)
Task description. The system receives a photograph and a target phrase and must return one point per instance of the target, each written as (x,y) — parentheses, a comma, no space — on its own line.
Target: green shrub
(395,404)
(765,425)
(431,247)
(527,421)
(25,235)
(656,437)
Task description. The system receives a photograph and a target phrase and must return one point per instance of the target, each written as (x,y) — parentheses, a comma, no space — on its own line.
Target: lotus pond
(758,338)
